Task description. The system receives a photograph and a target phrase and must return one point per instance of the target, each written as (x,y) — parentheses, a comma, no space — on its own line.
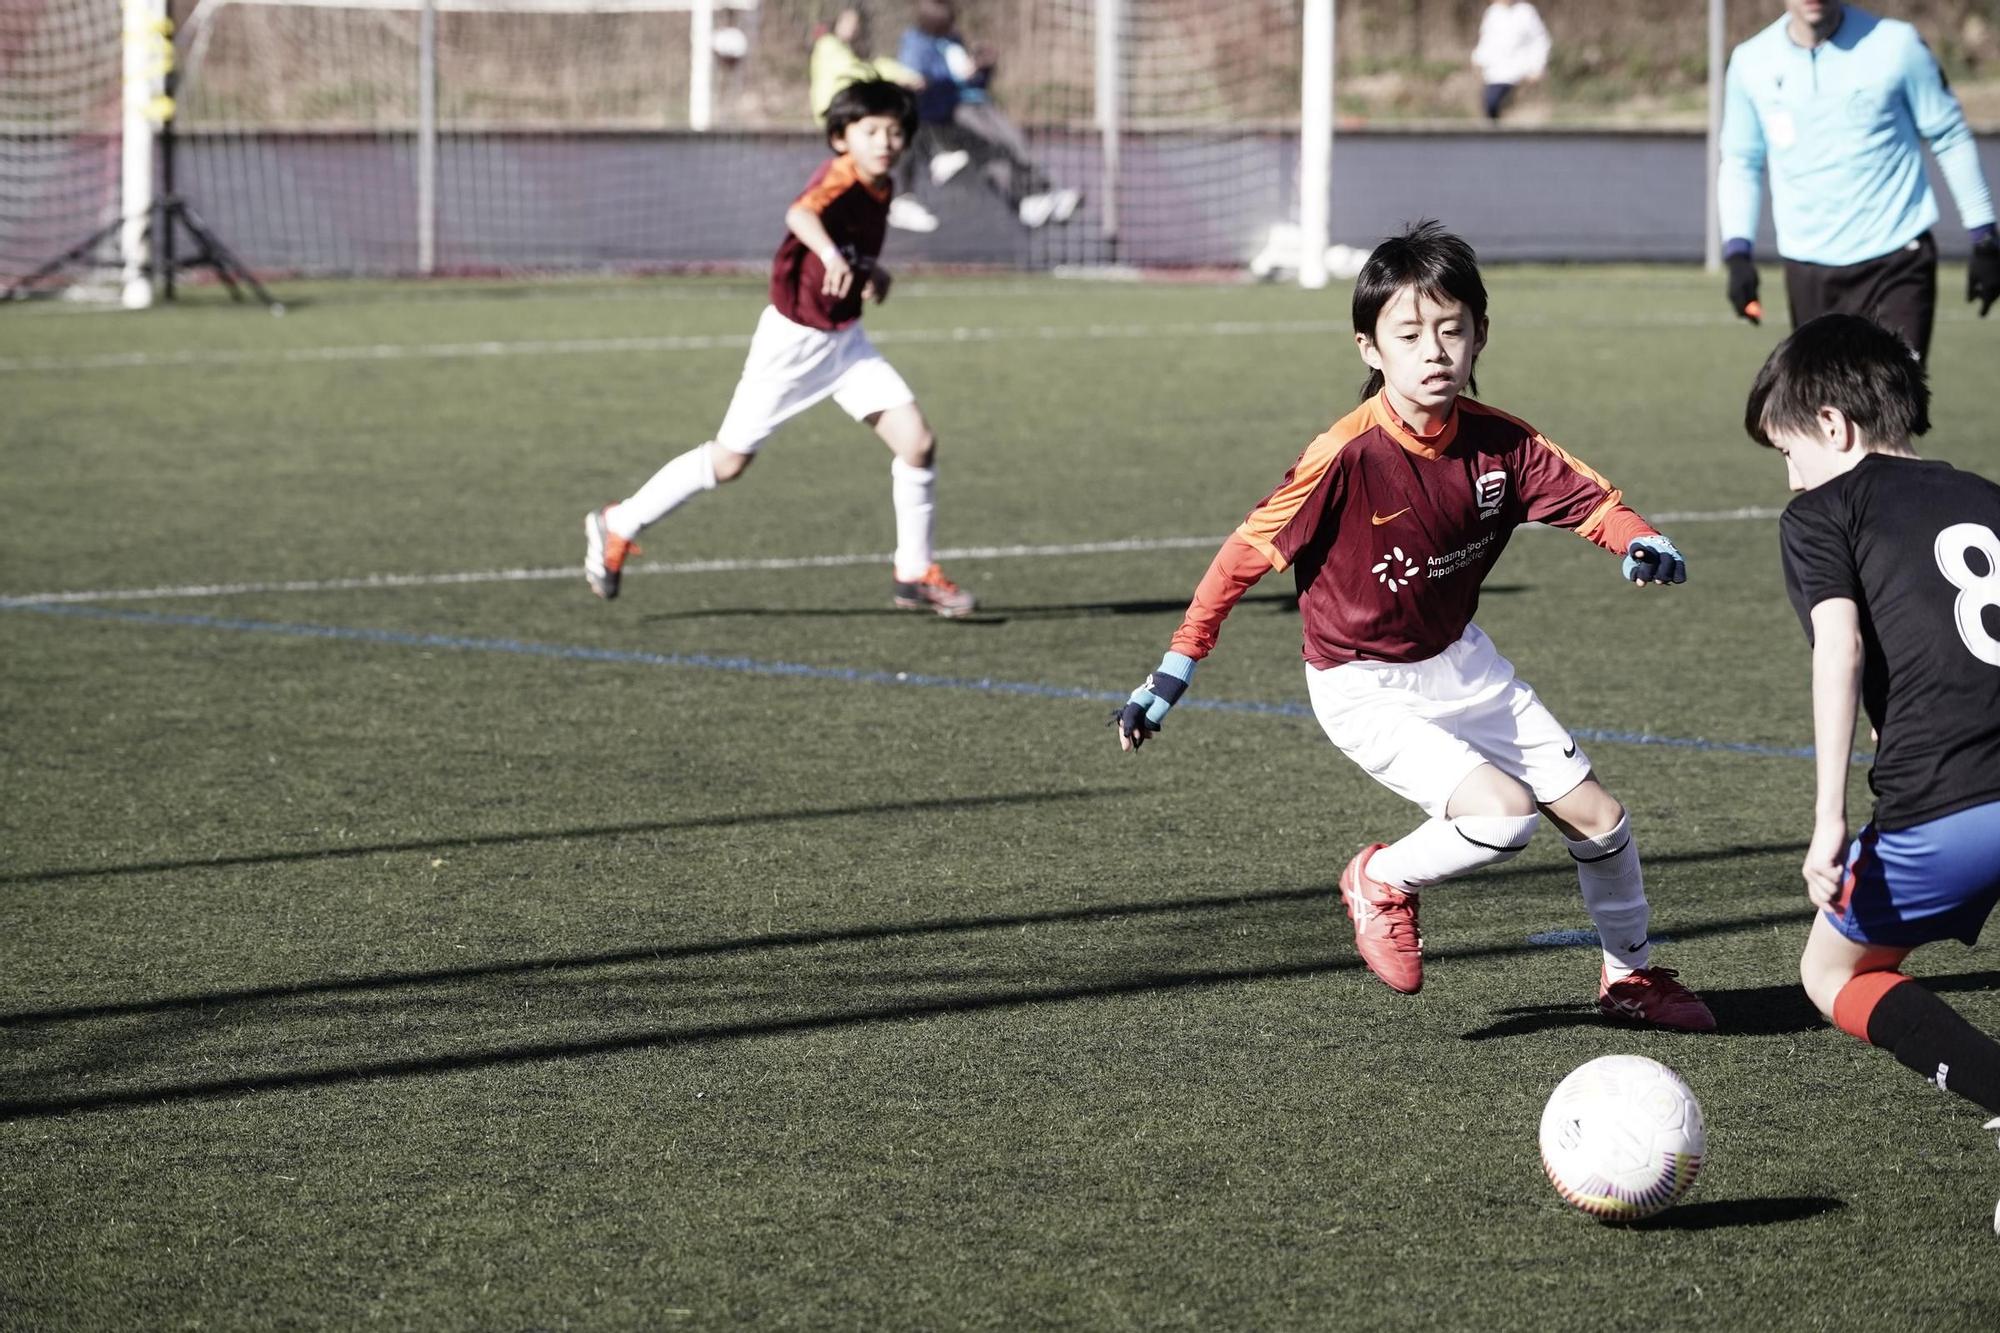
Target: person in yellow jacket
(837,62)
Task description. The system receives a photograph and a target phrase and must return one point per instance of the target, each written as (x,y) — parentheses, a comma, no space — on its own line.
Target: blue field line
(751,666)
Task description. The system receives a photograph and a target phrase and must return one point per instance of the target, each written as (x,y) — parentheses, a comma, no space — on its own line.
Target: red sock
(1858,998)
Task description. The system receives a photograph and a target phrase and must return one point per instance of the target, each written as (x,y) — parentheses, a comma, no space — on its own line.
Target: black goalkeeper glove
(1743,286)
(1982,272)
(1145,712)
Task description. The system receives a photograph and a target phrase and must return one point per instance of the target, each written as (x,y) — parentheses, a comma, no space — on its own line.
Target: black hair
(935,17)
(1851,364)
(1437,262)
(871,97)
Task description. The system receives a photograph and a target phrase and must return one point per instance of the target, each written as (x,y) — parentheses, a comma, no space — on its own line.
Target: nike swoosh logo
(1570,753)
(1379,520)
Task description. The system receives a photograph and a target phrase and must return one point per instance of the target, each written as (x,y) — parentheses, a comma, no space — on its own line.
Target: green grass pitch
(385,949)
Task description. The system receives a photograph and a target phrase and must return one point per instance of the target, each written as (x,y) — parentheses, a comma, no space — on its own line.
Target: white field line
(736,342)
(474,576)
(247,356)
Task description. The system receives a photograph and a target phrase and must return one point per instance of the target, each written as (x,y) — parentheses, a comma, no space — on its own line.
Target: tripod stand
(169,214)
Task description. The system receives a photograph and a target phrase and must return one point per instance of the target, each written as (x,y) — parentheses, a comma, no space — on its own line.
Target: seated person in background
(958,125)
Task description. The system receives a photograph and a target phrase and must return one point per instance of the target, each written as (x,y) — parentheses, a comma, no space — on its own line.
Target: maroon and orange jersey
(1390,534)
(856,216)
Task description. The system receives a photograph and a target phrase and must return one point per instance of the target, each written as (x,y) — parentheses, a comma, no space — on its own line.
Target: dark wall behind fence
(321,203)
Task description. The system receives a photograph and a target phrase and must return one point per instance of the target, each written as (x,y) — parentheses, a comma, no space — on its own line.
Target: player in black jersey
(1893,563)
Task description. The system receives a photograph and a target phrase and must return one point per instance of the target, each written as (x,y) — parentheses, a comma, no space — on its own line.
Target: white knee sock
(1614,893)
(1437,849)
(913,490)
(670,488)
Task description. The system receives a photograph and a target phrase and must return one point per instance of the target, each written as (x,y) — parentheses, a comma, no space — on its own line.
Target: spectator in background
(1513,49)
(1839,104)
(836,62)
(959,126)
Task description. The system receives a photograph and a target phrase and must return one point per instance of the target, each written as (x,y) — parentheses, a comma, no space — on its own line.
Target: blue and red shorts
(1938,880)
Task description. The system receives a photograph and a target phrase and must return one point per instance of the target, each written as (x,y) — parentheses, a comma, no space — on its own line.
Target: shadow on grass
(985,615)
(1709,1215)
(1745,1011)
(1112,979)
(347,851)
(1283,603)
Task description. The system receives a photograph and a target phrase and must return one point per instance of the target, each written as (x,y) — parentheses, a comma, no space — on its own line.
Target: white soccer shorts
(1419,728)
(790,367)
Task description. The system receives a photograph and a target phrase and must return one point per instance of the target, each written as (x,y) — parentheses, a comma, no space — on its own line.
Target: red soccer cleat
(1385,925)
(1653,996)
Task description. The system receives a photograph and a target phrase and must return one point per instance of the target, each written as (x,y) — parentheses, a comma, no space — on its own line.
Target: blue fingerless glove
(1147,708)
(1654,560)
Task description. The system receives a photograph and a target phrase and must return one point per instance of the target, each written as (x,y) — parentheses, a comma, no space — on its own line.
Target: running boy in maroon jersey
(809,346)
(1390,521)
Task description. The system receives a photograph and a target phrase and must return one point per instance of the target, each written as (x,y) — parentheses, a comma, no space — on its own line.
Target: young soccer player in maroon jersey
(1893,565)
(808,347)
(1390,521)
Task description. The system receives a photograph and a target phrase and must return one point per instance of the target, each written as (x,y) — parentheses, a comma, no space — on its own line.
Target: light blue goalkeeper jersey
(1841,128)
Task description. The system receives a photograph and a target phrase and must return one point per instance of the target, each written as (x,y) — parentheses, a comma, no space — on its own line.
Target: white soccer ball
(730,43)
(1622,1138)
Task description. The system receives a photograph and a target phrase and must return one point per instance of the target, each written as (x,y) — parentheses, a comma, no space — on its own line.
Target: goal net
(60,104)
(1177,119)
(389,137)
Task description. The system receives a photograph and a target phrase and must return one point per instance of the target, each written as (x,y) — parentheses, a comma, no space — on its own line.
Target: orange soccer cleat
(1385,925)
(604,554)
(934,592)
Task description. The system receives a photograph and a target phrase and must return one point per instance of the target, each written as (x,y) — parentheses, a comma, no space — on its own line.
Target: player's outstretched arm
(1146,711)
(1236,567)
(1654,559)
(812,233)
(1836,690)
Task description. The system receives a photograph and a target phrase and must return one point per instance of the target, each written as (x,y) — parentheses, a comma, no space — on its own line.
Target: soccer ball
(1622,1138)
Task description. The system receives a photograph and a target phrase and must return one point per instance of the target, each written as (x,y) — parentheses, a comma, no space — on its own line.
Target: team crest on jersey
(1491,491)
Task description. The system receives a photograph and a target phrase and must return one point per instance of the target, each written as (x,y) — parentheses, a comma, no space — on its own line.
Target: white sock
(668,489)
(913,490)
(1438,849)
(1614,893)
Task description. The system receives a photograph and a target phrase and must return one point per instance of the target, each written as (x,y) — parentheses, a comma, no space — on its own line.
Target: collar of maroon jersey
(880,189)
(1427,446)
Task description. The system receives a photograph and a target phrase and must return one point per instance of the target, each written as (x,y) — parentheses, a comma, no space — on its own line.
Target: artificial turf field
(390,939)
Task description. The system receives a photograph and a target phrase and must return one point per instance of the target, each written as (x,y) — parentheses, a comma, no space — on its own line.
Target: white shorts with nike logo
(1419,728)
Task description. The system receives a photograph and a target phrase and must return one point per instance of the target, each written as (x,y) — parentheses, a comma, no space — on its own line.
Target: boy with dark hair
(1893,564)
(1390,521)
(809,346)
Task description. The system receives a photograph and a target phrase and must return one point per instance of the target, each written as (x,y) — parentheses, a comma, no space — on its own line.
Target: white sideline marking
(245,356)
(368,581)
(263,356)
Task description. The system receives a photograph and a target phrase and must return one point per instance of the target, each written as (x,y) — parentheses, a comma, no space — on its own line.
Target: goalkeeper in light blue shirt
(1838,103)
